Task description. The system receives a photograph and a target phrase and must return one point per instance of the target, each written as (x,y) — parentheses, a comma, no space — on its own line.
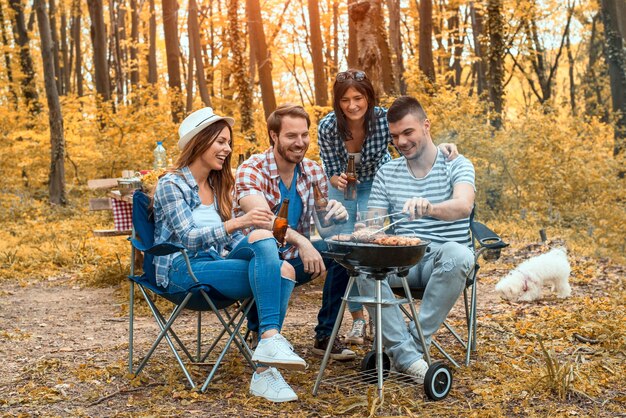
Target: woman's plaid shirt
(373,154)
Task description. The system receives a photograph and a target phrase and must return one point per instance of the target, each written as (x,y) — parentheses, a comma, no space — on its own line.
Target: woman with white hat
(193,207)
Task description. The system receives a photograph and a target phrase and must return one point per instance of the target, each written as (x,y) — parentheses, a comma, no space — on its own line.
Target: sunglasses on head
(347,75)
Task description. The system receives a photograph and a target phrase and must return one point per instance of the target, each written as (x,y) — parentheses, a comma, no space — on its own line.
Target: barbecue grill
(377,261)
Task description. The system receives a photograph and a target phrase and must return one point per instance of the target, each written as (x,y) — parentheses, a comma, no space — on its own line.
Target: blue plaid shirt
(175,198)
(373,154)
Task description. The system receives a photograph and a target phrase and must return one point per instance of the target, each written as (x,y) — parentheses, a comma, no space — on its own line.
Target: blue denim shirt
(175,198)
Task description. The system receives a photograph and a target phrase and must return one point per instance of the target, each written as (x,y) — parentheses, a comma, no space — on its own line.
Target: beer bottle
(320,206)
(279,229)
(350,192)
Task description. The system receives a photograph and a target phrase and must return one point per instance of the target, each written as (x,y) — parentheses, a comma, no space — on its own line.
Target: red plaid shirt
(259,175)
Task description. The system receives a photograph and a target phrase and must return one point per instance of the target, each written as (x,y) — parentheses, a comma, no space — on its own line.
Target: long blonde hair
(223,180)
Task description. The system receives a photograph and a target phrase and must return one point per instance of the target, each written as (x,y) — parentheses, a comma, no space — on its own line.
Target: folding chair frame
(231,323)
(489,243)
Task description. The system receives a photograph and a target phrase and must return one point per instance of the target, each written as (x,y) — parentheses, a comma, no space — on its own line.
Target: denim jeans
(442,273)
(249,270)
(353,207)
(334,289)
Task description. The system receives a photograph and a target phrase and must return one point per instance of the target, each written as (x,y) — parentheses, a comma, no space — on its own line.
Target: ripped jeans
(250,269)
(442,273)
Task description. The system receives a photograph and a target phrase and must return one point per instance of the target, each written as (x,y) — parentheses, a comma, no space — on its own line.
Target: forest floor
(64,345)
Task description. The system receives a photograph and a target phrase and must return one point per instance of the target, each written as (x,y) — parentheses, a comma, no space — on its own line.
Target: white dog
(524,282)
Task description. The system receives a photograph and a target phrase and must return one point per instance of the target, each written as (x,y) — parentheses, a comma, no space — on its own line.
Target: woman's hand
(449,151)
(339,182)
(259,218)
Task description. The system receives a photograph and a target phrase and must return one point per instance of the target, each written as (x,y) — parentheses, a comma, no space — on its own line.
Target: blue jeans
(353,207)
(442,273)
(249,270)
(334,289)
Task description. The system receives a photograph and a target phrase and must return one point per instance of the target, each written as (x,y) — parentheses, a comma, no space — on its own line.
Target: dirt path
(63,351)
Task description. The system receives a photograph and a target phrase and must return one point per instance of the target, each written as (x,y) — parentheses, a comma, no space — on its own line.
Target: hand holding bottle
(259,218)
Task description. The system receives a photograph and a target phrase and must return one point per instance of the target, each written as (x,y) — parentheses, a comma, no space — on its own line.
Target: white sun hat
(196,122)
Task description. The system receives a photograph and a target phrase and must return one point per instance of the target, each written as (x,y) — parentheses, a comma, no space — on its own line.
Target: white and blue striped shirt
(394,184)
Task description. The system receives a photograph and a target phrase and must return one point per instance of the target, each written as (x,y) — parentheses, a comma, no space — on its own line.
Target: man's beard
(283,152)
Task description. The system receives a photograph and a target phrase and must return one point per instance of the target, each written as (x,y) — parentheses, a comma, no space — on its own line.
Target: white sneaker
(358,332)
(276,351)
(418,370)
(271,386)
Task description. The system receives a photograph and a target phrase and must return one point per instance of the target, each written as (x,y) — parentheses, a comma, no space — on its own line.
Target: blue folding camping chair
(200,298)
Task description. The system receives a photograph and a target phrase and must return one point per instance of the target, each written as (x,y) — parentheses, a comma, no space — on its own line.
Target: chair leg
(165,328)
(199,337)
(131,323)
(234,337)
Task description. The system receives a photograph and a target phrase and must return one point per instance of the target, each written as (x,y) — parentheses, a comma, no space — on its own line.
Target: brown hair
(223,180)
(274,121)
(403,106)
(364,87)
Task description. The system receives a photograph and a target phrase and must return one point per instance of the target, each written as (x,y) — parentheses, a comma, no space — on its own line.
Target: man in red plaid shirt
(282,172)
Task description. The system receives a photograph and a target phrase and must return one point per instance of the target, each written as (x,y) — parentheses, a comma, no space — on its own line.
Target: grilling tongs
(403,217)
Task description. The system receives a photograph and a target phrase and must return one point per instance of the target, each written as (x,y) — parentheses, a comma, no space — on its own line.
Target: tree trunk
(194,34)
(353,44)
(170,29)
(118,39)
(134,42)
(615,55)
(594,73)
(572,80)
(335,51)
(7,60)
(65,68)
(76,32)
(262,55)
(395,40)
(99,41)
(367,17)
(426,64)
(455,40)
(321,87)
(29,87)
(152,63)
(52,13)
(56,184)
(479,47)
(495,59)
(240,72)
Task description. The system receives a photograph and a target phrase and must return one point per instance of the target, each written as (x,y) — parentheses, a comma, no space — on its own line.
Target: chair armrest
(163,248)
(486,237)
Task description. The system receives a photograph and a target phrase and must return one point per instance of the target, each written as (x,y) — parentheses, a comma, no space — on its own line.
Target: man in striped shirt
(438,195)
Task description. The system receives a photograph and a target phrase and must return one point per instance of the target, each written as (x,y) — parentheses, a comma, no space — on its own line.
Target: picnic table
(119,204)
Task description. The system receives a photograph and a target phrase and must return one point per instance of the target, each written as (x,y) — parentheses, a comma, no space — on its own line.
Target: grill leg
(379,339)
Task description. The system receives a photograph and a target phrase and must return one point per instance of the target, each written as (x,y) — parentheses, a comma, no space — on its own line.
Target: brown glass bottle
(279,229)
(320,206)
(350,192)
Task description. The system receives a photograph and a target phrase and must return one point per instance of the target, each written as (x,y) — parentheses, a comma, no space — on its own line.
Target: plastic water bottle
(160,156)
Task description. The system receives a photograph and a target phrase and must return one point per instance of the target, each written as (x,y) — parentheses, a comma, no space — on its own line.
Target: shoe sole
(274,400)
(289,365)
(335,356)
(351,340)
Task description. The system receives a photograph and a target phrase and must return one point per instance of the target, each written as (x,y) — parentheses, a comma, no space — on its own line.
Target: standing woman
(193,207)
(357,127)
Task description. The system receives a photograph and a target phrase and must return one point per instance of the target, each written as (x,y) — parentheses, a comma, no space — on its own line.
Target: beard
(284,153)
